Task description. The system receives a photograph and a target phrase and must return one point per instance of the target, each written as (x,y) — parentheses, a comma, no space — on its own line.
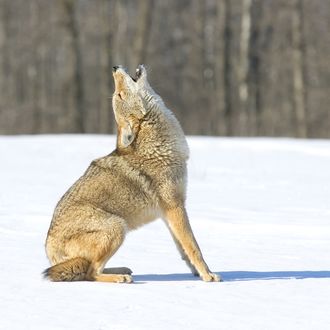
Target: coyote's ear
(127,135)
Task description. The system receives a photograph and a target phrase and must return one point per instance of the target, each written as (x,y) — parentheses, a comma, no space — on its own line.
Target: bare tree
(73,32)
(298,69)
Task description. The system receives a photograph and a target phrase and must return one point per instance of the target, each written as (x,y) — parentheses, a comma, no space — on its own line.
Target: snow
(260,209)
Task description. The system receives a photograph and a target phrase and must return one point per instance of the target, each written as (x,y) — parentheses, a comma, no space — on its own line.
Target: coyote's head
(131,101)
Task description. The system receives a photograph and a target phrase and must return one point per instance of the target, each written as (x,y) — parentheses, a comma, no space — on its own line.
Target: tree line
(225,67)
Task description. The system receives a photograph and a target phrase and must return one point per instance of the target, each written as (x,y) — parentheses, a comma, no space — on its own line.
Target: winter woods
(242,67)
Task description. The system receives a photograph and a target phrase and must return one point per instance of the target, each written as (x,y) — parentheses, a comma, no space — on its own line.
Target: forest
(224,67)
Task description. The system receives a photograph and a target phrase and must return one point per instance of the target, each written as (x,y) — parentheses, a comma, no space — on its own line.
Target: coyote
(143,179)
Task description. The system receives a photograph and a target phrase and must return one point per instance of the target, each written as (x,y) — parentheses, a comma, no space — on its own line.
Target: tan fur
(143,179)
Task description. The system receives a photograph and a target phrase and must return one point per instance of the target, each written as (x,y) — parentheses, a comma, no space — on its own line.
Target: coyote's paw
(211,277)
(113,278)
(125,279)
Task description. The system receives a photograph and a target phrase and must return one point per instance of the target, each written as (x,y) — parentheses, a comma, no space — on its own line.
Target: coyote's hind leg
(97,241)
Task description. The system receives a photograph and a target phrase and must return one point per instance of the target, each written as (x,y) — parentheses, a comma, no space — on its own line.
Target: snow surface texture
(260,209)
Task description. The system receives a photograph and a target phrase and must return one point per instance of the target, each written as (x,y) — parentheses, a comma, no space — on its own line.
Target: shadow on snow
(236,276)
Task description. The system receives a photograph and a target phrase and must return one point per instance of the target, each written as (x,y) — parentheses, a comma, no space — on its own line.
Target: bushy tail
(70,270)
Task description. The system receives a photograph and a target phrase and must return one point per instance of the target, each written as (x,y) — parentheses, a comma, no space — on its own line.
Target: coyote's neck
(161,137)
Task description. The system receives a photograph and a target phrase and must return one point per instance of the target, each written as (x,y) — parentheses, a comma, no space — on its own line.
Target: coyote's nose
(115,68)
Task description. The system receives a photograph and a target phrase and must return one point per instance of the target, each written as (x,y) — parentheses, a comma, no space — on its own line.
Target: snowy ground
(260,209)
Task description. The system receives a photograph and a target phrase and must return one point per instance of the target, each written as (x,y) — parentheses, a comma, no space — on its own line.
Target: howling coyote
(143,179)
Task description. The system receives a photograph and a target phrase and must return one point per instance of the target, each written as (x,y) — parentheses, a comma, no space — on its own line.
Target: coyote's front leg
(179,225)
(183,255)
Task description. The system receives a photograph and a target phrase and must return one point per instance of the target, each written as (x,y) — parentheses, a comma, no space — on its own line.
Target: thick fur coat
(143,179)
